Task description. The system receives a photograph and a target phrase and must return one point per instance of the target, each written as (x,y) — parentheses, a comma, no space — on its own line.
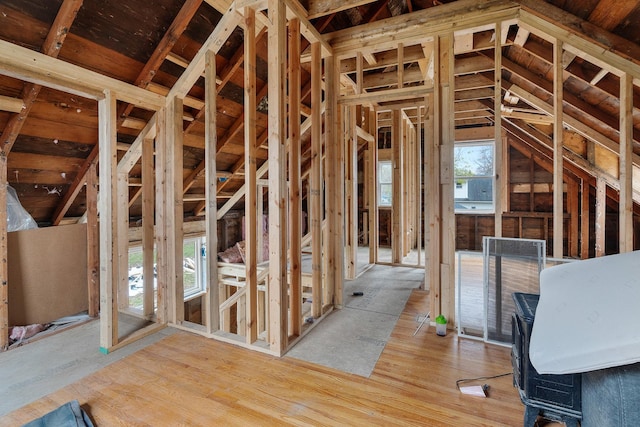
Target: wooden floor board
(186,379)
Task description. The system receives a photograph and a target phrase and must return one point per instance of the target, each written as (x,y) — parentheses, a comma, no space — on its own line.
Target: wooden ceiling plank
(416,27)
(295,10)
(318,8)
(587,40)
(51,47)
(578,126)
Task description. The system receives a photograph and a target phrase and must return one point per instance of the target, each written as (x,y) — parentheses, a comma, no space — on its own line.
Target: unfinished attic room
(320,212)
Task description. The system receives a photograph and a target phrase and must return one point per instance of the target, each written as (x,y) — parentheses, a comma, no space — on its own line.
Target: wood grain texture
(189,380)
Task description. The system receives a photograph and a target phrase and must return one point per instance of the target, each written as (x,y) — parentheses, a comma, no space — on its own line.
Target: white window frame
(380,183)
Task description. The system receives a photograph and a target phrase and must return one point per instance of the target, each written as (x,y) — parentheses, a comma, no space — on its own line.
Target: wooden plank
(162,207)
(278,313)
(584,219)
(500,181)
(601,216)
(250,199)
(214,290)
(583,38)
(12,105)
(93,242)
(626,163)
(4,250)
(108,222)
(174,234)
(148,210)
(315,180)
(122,242)
(295,182)
(558,170)
(230,20)
(447,138)
(318,8)
(350,141)
(51,47)
(397,185)
(384,95)
(28,65)
(414,28)
(335,177)
(372,185)
(295,10)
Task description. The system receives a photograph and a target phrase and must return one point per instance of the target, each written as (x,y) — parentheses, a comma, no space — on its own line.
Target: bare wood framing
(315,180)
(214,291)
(108,222)
(318,8)
(336,180)
(4,266)
(250,199)
(397,235)
(148,205)
(162,217)
(601,215)
(584,219)
(93,242)
(122,242)
(372,180)
(626,163)
(173,229)
(295,182)
(558,131)
(278,312)
(501,181)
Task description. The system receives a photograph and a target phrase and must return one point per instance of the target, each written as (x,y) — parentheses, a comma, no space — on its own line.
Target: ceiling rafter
(51,47)
(143,80)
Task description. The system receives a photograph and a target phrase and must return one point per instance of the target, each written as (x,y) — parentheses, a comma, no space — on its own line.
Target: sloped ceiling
(149,44)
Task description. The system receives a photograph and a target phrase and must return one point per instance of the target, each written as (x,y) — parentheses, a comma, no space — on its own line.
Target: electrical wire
(464,380)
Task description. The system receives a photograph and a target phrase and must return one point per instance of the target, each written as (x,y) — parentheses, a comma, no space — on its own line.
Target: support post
(601,215)
(278,312)
(93,242)
(251,185)
(500,181)
(108,222)
(174,168)
(4,249)
(397,235)
(295,181)
(148,202)
(558,130)
(626,163)
(373,187)
(315,180)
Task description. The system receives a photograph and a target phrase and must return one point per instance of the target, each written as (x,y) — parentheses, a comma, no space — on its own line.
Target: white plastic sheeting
(17,217)
(588,316)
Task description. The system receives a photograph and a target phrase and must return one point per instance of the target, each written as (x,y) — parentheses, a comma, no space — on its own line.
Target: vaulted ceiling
(51,136)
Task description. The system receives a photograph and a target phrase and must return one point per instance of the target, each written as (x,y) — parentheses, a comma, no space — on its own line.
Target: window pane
(474,177)
(473,160)
(189,266)
(386,190)
(385,173)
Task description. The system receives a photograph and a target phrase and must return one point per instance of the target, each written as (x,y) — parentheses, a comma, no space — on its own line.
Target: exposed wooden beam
(12,105)
(558,130)
(51,47)
(318,8)
(415,27)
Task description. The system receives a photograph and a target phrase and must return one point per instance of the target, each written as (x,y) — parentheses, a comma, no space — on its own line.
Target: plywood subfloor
(186,379)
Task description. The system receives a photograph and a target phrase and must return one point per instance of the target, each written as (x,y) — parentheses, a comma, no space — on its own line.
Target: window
(385,183)
(193,267)
(474,177)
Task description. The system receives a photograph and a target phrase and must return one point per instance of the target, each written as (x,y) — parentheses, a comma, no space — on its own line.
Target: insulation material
(587,316)
(17,217)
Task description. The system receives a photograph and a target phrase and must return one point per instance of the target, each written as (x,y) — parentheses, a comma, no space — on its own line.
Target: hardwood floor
(190,380)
